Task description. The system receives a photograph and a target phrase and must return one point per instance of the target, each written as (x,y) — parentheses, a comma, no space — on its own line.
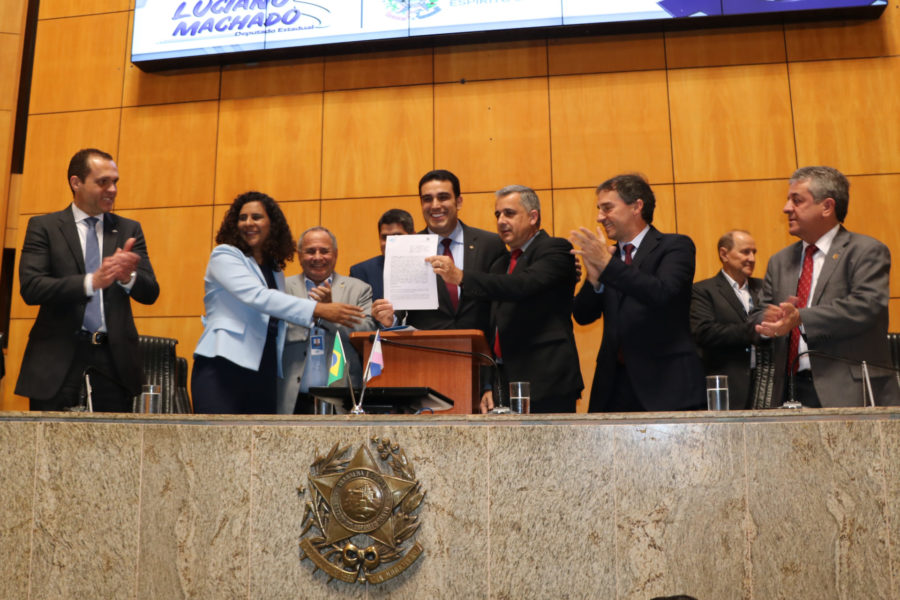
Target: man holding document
(530,289)
(469,248)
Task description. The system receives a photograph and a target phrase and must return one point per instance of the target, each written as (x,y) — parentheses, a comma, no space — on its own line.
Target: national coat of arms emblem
(360,522)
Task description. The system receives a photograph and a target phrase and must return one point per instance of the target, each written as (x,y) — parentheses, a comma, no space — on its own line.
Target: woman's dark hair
(278,248)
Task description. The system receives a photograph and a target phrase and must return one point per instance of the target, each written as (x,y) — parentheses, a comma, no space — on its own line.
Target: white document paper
(409,281)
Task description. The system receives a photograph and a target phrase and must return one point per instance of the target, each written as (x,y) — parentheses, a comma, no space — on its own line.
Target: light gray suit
(848,317)
(343,289)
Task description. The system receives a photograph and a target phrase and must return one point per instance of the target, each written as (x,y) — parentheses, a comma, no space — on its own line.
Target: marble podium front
(737,505)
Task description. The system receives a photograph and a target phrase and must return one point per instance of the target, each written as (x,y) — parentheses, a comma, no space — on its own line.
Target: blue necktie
(92,318)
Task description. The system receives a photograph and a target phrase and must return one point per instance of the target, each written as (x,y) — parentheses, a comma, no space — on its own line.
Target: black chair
(762,387)
(894,343)
(161,368)
(182,398)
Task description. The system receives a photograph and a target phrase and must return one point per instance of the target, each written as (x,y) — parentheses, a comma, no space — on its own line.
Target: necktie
(514,258)
(451,288)
(92,317)
(629,248)
(803,287)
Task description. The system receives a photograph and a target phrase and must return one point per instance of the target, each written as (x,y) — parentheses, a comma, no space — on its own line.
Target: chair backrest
(159,363)
(182,398)
(894,343)
(762,387)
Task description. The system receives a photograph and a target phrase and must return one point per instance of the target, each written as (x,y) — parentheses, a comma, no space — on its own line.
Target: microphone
(84,395)
(867,382)
(498,388)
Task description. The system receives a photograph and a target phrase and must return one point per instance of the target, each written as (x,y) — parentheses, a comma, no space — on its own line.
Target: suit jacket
(847,317)
(371,271)
(645,309)
(725,334)
(51,274)
(532,310)
(238,305)
(482,249)
(343,289)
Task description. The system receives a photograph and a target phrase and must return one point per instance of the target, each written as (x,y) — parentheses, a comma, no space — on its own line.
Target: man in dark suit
(531,311)
(642,289)
(395,221)
(827,295)
(720,316)
(83,265)
(470,248)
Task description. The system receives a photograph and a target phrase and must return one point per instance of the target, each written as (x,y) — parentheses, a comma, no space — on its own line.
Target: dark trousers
(107,393)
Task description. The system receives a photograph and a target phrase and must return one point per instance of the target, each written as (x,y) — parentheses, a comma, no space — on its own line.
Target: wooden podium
(453,375)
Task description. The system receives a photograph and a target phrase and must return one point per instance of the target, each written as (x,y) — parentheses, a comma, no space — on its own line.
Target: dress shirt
(823,245)
(636,242)
(743,294)
(456,245)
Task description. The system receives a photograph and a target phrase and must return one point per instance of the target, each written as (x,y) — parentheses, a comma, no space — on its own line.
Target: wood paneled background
(716,119)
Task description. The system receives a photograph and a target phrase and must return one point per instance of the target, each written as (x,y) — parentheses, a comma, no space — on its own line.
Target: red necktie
(803,286)
(629,248)
(451,288)
(512,265)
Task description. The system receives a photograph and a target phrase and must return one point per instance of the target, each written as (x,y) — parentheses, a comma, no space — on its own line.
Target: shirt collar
(310,284)
(456,236)
(823,244)
(80,215)
(734,284)
(636,242)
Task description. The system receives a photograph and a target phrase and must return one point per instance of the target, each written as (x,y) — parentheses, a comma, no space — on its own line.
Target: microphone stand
(498,387)
(87,404)
(867,392)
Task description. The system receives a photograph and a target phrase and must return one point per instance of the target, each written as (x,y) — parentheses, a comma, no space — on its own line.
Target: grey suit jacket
(343,289)
(847,317)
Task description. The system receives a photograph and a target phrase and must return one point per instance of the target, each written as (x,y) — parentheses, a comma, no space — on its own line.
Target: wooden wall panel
(856,132)
(17,307)
(166,86)
(273,144)
(606,54)
(378,69)
(168,155)
(493,133)
(731,123)
(54,9)
(12,16)
(175,236)
(602,125)
(490,61)
(894,309)
(297,76)
(52,140)
(720,47)
(873,211)
(376,142)
(18,337)
(707,210)
(10,45)
(354,223)
(846,39)
(78,63)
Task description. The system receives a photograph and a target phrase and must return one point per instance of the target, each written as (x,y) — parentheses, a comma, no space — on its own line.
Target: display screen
(176,29)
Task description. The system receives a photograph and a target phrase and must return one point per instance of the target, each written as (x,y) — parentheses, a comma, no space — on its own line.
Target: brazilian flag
(336,369)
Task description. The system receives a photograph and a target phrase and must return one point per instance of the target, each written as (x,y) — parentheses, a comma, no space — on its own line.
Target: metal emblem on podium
(361,520)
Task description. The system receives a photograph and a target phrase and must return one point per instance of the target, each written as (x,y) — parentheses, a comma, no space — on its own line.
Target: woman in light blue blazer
(238,357)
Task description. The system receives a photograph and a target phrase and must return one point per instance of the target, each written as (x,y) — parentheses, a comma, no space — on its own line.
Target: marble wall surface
(740,505)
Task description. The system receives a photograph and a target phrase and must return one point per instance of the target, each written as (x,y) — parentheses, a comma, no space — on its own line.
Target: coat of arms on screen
(417,9)
(362,516)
